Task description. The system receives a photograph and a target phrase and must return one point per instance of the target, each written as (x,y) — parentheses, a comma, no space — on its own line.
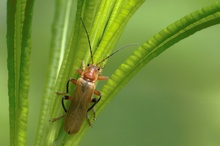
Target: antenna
(129,45)
(90,48)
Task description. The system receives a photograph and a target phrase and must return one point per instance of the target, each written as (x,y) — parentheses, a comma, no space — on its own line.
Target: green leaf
(59,39)
(186,26)
(19,18)
(105,21)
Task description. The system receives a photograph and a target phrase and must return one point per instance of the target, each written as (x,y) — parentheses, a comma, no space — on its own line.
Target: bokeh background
(173,101)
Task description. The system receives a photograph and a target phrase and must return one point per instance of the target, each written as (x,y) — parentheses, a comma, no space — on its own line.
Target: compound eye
(88,64)
(98,68)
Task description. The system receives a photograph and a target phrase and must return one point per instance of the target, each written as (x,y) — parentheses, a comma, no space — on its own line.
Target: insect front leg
(67,87)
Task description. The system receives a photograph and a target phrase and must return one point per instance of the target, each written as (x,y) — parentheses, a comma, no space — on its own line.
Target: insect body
(82,96)
(81,100)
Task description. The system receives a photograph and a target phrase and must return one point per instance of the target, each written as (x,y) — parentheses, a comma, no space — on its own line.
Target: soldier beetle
(83,93)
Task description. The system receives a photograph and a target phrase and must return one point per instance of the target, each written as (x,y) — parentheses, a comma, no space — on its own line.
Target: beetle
(83,93)
(81,98)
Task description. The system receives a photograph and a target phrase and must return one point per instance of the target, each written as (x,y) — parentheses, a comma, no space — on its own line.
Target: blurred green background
(173,101)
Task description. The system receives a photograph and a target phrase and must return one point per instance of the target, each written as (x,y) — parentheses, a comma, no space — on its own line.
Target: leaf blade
(172,34)
(19,16)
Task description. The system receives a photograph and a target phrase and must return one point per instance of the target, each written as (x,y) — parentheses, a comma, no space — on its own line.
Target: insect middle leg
(66,97)
(94,101)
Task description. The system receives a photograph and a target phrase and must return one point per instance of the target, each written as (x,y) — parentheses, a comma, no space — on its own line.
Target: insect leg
(63,105)
(67,84)
(55,119)
(95,100)
(89,122)
(94,116)
(67,87)
(65,97)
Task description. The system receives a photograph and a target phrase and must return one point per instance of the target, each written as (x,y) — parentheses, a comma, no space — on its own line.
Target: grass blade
(188,25)
(19,19)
